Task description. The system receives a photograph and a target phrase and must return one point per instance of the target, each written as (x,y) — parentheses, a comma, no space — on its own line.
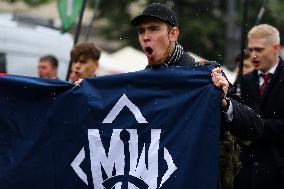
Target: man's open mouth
(149,50)
(255,62)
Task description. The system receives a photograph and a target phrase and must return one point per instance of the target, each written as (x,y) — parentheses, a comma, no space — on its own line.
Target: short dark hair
(85,50)
(50,58)
(246,55)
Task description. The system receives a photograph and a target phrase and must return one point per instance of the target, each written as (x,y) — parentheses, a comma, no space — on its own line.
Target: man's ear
(174,33)
(277,47)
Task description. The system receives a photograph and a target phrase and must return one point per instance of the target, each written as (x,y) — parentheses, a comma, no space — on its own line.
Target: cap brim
(137,20)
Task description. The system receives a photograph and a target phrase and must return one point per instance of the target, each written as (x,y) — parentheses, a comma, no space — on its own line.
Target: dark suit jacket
(260,163)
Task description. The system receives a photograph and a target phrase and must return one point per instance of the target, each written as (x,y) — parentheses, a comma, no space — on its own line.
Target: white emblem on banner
(121,166)
(121,103)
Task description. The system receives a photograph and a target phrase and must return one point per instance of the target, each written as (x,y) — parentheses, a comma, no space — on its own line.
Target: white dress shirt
(271,71)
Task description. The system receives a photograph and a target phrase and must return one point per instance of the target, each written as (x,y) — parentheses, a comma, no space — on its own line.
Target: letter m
(100,159)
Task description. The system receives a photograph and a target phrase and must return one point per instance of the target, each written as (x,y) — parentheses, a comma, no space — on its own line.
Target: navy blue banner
(149,129)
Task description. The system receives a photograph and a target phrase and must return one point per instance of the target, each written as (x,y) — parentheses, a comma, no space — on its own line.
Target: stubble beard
(167,53)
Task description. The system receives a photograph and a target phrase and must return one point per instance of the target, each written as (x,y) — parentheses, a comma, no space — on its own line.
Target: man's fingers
(217,70)
(78,82)
(219,80)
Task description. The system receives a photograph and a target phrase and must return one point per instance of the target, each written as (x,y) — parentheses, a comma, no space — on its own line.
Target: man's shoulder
(251,75)
(186,60)
(280,67)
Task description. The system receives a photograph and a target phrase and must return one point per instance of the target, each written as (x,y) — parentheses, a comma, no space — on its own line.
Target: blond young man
(263,91)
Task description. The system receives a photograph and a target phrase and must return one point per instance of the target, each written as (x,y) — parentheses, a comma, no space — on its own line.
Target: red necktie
(266,78)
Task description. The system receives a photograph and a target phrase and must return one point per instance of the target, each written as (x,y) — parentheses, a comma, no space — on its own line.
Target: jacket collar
(254,80)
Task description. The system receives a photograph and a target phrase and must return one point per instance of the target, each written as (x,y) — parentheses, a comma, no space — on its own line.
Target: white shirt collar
(271,71)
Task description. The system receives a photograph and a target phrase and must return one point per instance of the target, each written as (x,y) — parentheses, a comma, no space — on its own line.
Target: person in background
(247,68)
(263,90)
(85,59)
(74,75)
(47,67)
(248,65)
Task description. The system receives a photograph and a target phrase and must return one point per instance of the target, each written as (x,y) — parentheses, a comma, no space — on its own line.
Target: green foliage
(275,11)
(202,22)
(118,17)
(202,27)
(275,16)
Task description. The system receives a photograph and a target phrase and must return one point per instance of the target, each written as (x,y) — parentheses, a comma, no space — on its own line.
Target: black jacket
(262,159)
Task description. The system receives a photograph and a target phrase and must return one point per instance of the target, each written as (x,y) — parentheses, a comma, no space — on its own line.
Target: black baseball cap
(156,10)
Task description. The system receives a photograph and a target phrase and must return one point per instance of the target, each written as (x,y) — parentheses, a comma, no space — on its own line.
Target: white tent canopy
(107,65)
(128,59)
(124,60)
